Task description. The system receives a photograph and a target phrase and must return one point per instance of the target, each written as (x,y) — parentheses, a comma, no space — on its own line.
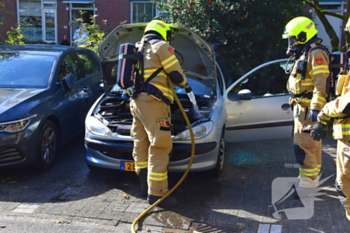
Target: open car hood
(196,56)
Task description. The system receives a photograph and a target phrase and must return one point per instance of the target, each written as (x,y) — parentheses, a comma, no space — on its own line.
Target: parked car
(45,94)
(254,107)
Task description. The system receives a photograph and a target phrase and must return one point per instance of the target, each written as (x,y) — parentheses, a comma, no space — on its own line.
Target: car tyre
(47,146)
(220,160)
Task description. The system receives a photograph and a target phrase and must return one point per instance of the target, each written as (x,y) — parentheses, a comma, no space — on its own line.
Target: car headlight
(95,126)
(199,131)
(16,126)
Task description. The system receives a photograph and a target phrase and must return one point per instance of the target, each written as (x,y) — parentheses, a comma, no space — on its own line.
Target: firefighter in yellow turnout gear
(307,84)
(338,110)
(151,128)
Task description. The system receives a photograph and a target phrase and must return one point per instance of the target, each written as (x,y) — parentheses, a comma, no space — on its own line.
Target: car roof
(41,47)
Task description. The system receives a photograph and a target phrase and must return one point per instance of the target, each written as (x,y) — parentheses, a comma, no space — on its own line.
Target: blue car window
(69,65)
(89,63)
(24,70)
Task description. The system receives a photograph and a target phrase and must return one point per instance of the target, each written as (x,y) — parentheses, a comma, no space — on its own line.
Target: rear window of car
(24,70)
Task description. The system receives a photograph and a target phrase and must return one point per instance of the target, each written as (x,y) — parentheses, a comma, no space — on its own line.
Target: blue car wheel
(47,146)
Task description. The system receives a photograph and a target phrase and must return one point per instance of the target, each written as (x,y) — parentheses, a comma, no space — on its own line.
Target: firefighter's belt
(152,90)
(302,95)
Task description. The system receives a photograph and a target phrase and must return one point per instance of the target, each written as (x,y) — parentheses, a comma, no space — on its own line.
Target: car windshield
(25,70)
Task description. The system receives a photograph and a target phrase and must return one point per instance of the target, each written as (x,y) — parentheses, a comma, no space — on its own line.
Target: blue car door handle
(85,89)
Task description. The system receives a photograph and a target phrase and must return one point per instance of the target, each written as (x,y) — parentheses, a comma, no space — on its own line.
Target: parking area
(69,197)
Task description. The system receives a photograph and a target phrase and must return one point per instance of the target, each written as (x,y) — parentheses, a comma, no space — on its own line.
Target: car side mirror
(68,82)
(245,94)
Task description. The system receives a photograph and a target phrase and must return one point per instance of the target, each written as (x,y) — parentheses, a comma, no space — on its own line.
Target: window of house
(31,19)
(38,20)
(143,12)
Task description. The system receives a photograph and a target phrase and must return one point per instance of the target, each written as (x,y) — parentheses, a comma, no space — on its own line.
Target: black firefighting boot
(167,202)
(143,180)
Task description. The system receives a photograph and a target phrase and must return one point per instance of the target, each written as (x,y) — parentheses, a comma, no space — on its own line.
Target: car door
(268,114)
(72,104)
(91,77)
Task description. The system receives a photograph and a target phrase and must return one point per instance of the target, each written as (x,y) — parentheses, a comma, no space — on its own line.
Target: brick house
(49,20)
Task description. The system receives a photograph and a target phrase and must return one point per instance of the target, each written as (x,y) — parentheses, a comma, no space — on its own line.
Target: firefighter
(338,111)
(150,107)
(307,85)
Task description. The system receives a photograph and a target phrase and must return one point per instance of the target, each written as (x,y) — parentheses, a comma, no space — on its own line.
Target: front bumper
(109,154)
(17,149)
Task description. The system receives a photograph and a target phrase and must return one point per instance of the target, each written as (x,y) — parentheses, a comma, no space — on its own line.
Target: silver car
(254,107)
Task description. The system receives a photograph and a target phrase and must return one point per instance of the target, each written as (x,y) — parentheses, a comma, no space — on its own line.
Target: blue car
(45,94)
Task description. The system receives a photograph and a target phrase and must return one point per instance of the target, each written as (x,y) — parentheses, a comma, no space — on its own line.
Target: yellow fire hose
(183,176)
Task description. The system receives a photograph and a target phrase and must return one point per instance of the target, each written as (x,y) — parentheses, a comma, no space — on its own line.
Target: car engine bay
(114,111)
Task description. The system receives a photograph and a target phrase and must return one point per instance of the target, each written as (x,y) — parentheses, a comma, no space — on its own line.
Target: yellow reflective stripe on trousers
(157,176)
(323,69)
(169,62)
(320,100)
(141,164)
(310,172)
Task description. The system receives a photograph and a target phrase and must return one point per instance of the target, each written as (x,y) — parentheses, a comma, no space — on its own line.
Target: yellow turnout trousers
(308,152)
(343,173)
(152,141)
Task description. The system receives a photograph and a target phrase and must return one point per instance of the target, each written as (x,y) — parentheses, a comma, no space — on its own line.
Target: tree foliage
(96,34)
(321,13)
(246,32)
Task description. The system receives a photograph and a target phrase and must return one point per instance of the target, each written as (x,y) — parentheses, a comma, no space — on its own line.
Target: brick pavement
(240,201)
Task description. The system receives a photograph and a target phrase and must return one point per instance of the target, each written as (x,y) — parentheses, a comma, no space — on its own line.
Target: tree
(4,13)
(246,32)
(321,13)
(95,34)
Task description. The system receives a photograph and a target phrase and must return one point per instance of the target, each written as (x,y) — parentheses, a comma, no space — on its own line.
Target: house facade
(49,20)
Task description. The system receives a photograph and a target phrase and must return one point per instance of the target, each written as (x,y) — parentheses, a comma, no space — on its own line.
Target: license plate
(127,166)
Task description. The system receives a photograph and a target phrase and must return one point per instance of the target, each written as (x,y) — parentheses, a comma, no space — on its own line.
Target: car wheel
(220,160)
(47,146)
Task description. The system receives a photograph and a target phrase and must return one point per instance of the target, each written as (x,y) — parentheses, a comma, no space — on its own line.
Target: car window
(25,70)
(265,82)
(89,63)
(69,65)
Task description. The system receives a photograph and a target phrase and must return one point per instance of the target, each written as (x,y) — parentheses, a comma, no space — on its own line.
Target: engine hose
(186,172)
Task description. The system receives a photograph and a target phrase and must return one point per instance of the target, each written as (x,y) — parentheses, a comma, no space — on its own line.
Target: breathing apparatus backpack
(130,67)
(339,65)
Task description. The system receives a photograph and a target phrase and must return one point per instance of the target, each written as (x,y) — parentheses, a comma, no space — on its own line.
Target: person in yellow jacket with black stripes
(151,128)
(307,84)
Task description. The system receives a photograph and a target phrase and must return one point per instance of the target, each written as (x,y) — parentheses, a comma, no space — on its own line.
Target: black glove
(188,88)
(319,131)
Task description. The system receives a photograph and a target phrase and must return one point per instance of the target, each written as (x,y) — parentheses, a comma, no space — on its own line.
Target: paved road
(69,198)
